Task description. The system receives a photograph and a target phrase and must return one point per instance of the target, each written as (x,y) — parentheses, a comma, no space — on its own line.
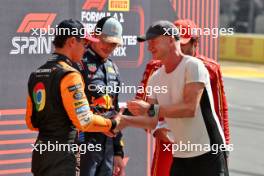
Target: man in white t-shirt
(187,106)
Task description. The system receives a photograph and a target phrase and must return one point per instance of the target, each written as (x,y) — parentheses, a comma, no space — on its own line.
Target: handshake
(126,116)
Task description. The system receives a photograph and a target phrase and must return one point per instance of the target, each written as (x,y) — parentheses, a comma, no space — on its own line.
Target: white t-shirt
(204,129)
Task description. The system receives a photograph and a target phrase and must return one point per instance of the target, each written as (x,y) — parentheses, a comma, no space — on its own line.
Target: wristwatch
(151,111)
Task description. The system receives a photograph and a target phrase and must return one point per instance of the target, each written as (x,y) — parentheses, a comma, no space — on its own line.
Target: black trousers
(208,164)
(53,163)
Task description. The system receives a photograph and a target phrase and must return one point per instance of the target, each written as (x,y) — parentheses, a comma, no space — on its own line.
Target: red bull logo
(103,102)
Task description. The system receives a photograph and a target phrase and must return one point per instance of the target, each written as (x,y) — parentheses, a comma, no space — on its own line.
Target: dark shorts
(208,164)
(53,163)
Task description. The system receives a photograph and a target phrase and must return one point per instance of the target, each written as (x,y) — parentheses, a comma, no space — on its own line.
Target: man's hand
(116,118)
(162,134)
(110,134)
(121,122)
(119,167)
(138,107)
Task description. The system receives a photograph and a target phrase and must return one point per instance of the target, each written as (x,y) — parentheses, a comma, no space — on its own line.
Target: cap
(88,37)
(68,28)
(110,29)
(187,30)
(158,28)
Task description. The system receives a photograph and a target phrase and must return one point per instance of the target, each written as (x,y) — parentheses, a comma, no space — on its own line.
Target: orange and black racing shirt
(57,104)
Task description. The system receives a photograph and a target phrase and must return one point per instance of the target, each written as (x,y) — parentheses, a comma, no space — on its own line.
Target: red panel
(217,24)
(179,10)
(212,26)
(12,111)
(193,10)
(189,9)
(17,141)
(207,49)
(14,171)
(15,161)
(13,122)
(202,26)
(12,132)
(16,151)
(184,9)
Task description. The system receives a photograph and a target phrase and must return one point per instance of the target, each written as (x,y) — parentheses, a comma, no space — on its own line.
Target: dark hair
(60,39)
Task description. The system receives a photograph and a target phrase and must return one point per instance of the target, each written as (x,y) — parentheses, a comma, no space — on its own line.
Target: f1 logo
(36,20)
(97,4)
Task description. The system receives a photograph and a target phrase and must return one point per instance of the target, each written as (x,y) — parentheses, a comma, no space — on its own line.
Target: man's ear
(70,41)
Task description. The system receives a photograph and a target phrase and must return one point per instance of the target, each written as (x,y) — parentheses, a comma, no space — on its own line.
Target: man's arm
(142,120)
(192,96)
(196,76)
(223,107)
(29,111)
(119,166)
(187,108)
(77,106)
(117,140)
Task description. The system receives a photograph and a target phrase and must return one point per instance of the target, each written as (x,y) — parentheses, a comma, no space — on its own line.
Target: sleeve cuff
(113,124)
(118,151)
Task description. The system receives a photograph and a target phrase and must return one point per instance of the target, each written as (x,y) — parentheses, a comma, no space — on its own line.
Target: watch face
(151,113)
